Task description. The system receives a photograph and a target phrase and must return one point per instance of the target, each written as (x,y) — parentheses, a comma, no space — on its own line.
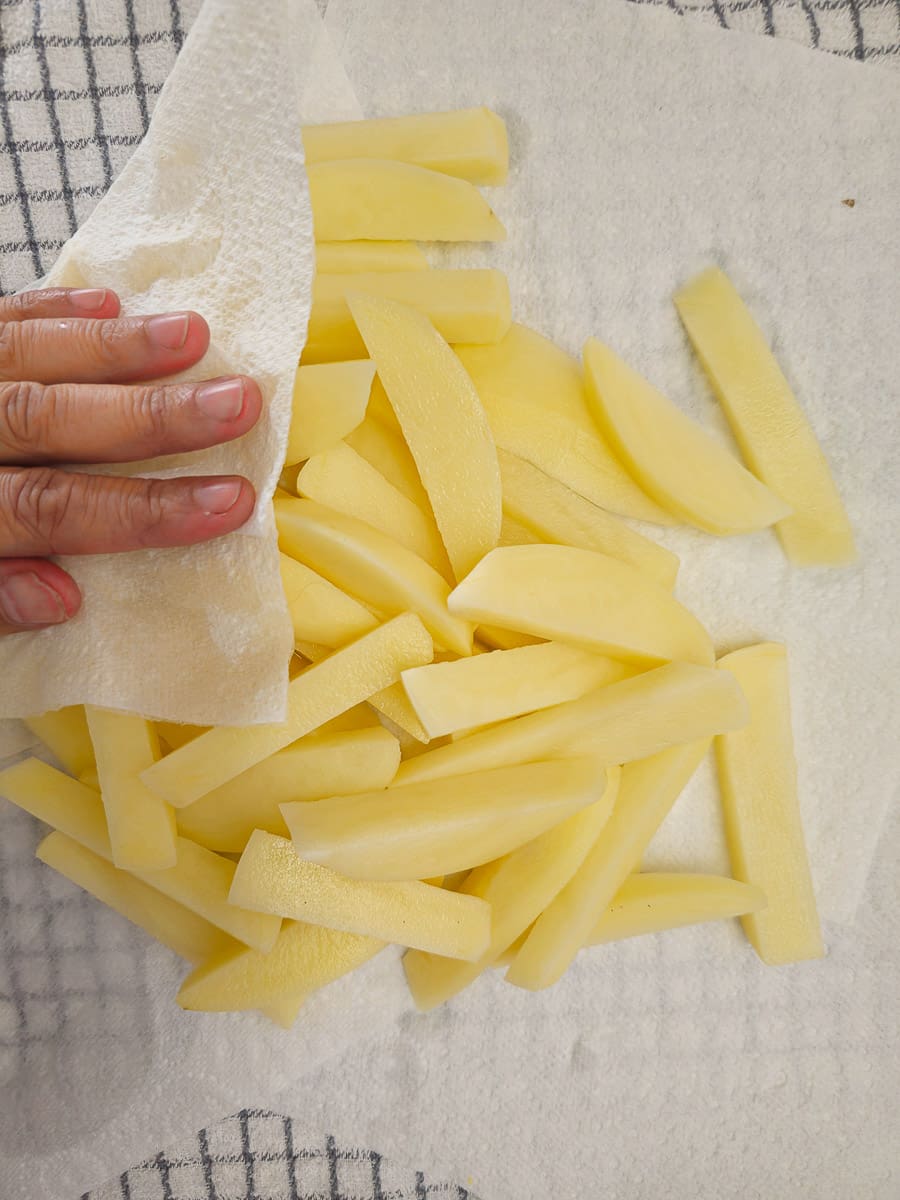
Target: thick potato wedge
(654,902)
(772,430)
(437,408)
(315,696)
(470,306)
(373,199)
(514,534)
(271,877)
(341,258)
(439,827)
(584,598)
(384,449)
(673,459)
(321,612)
(65,734)
(329,402)
(763,828)
(618,723)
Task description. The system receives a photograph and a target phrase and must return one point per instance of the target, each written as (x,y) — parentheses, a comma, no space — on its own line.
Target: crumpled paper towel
(211,213)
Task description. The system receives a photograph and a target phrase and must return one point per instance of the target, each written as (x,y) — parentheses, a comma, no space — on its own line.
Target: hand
(68,366)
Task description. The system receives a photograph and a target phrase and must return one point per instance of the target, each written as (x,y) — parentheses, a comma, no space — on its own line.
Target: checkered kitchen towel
(78,81)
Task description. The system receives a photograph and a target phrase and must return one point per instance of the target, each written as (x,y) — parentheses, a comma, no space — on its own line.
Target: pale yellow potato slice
(65,734)
(303,959)
(200,880)
(486,688)
(469,143)
(315,696)
(443,424)
(655,902)
(518,887)
(171,924)
(496,638)
(371,566)
(763,827)
(90,778)
(343,480)
(376,199)
(386,451)
(584,598)
(674,460)
(175,734)
(271,877)
(141,825)
(321,612)
(554,513)
(647,791)
(618,723)
(441,826)
(772,430)
(322,764)
(470,306)
(514,534)
(339,258)
(329,402)
(535,399)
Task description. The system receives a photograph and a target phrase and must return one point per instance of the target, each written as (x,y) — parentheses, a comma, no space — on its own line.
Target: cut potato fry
(587,599)
(65,734)
(673,459)
(535,399)
(493,687)
(175,735)
(321,612)
(372,566)
(617,723)
(470,306)
(341,258)
(386,451)
(315,766)
(272,878)
(647,791)
(316,695)
(772,430)
(171,924)
(763,828)
(469,143)
(554,513)
(437,408)
(342,480)
(504,639)
(514,534)
(373,199)
(518,888)
(200,880)
(654,902)
(141,825)
(90,778)
(439,827)
(329,402)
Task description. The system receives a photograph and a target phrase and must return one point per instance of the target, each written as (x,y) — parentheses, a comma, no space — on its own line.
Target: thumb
(35,594)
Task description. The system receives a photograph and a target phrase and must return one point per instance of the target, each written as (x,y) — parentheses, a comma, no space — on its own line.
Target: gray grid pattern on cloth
(78,81)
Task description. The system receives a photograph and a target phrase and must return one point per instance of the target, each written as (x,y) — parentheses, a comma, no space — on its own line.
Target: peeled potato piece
(271,877)
(675,460)
(329,402)
(372,566)
(65,734)
(317,694)
(321,612)
(339,258)
(518,887)
(443,424)
(315,766)
(492,687)
(174,735)
(586,599)
(647,791)
(141,825)
(772,430)
(554,513)
(654,902)
(377,199)
(514,534)
(763,828)
(439,827)
(386,451)
(617,723)
(469,143)
(505,639)
(470,306)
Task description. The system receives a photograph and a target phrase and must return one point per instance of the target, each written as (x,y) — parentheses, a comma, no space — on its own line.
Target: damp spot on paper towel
(849,202)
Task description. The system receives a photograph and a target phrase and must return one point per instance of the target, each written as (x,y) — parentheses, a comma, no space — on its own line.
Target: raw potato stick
(65,734)
(329,402)
(321,612)
(654,902)
(339,258)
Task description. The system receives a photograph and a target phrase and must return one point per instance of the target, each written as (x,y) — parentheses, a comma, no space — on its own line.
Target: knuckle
(151,412)
(37,503)
(10,349)
(25,415)
(148,510)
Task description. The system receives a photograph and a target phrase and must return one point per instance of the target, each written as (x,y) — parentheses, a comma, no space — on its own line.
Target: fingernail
(26,600)
(217,498)
(169,331)
(223,400)
(88,299)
